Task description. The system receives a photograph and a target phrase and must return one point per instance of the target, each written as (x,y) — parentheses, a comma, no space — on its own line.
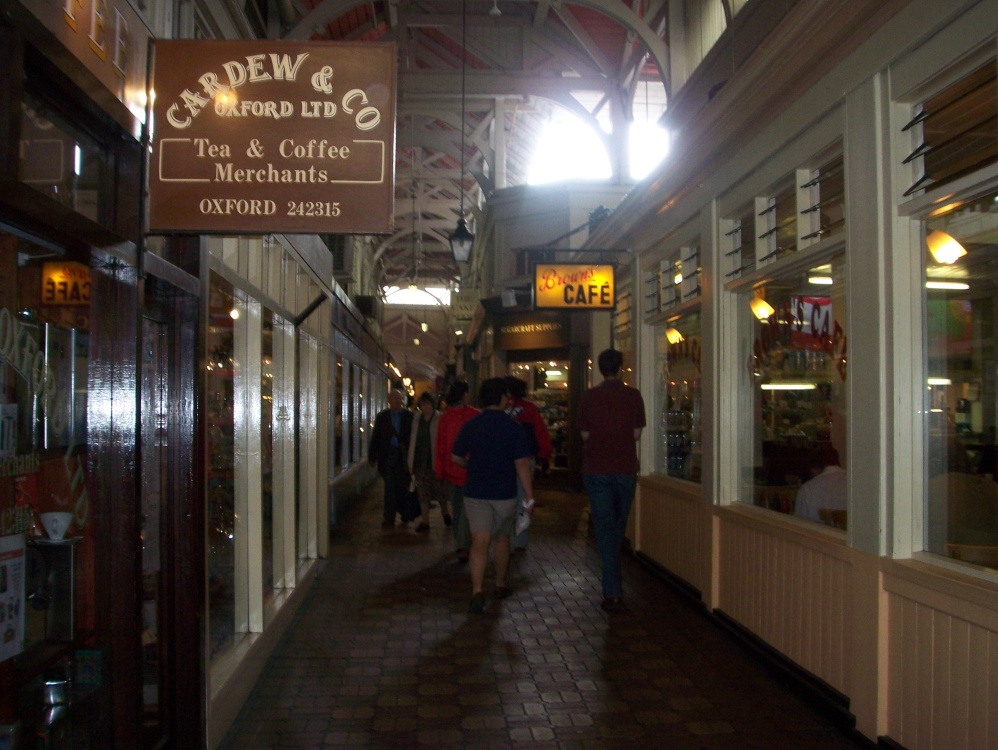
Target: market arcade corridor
(383,653)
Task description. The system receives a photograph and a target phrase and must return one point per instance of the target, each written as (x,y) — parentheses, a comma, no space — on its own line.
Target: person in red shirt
(611,417)
(451,421)
(527,414)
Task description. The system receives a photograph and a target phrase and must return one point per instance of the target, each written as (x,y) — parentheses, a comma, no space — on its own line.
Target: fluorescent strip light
(826,280)
(939,381)
(787,386)
(958,285)
(553,373)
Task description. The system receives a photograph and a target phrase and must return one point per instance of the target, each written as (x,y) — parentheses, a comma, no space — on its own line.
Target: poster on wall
(11,595)
(261,136)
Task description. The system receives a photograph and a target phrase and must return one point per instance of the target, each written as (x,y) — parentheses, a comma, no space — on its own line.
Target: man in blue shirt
(495,450)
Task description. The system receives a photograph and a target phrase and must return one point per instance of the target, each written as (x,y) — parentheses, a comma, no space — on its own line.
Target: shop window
(955,132)
(220,395)
(776,225)
(678,398)
(62,162)
(794,349)
(267,447)
(738,242)
(48,538)
(961,401)
(820,199)
(358,415)
(651,292)
(336,399)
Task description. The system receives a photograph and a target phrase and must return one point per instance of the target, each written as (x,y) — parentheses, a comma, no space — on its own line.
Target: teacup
(56,524)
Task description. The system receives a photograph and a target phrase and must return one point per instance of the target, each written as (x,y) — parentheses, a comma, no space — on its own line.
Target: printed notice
(11,595)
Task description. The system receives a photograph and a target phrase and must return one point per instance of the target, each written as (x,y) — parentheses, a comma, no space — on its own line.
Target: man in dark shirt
(611,416)
(495,451)
(388,451)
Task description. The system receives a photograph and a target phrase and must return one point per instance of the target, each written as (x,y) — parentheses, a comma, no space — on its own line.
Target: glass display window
(62,162)
(961,403)
(679,447)
(220,396)
(794,350)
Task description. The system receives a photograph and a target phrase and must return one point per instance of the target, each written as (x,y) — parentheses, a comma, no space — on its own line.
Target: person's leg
(500,558)
(503,520)
(391,491)
(623,486)
(601,511)
(443,497)
(424,489)
(462,533)
(478,558)
(479,514)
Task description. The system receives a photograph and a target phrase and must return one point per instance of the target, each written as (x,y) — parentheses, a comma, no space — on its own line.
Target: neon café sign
(574,286)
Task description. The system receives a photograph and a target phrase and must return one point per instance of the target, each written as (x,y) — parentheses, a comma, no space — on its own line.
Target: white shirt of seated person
(825,491)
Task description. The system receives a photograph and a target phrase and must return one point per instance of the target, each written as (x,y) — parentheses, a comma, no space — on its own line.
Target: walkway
(383,654)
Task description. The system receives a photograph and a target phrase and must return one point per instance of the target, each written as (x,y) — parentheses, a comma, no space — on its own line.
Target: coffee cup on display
(56,524)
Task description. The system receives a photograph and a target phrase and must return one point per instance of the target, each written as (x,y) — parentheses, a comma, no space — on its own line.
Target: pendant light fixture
(461,240)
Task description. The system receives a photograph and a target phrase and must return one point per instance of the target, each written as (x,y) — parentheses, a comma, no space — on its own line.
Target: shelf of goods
(553,406)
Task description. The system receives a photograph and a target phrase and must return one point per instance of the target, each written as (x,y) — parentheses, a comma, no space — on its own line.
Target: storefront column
(872,306)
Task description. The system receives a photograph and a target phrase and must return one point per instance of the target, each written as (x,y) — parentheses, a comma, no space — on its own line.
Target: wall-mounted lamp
(673,335)
(787,386)
(415,342)
(462,240)
(760,308)
(944,248)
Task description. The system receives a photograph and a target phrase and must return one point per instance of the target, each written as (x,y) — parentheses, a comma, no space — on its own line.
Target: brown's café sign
(574,286)
(252,137)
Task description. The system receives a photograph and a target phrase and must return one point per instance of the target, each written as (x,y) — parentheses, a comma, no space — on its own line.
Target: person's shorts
(494,516)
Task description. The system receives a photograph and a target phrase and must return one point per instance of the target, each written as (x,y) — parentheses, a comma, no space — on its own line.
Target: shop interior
(547,387)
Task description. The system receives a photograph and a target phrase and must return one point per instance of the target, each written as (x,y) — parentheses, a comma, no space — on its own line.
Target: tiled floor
(384,654)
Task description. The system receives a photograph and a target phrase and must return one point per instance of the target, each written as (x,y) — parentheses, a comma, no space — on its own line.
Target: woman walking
(422,455)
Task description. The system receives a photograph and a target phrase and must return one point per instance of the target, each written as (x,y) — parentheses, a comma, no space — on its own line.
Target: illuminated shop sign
(574,286)
(253,137)
(65,283)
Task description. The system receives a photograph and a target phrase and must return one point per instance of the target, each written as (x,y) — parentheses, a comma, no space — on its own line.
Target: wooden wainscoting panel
(943,658)
(676,529)
(790,587)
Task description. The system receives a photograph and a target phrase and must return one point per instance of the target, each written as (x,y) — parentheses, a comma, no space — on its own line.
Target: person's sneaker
(613,604)
(423,528)
(477,604)
(448,520)
(502,592)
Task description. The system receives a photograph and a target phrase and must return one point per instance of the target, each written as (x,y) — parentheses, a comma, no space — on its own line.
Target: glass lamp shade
(461,241)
